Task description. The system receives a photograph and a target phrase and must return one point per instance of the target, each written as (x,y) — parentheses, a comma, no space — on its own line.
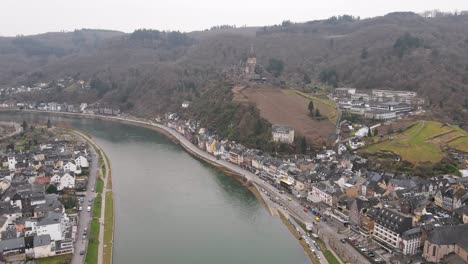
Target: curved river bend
(172,208)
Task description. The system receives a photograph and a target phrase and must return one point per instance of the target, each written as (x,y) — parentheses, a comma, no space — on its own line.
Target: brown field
(279,107)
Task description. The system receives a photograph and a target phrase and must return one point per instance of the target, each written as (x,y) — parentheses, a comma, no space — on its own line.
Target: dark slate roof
(12,244)
(42,240)
(393,220)
(447,235)
(412,233)
(10,233)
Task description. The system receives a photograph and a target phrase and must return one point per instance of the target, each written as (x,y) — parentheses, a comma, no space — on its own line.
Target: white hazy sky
(37,16)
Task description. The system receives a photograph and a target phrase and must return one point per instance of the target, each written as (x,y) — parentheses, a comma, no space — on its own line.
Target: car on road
(84,237)
(81,252)
(343,240)
(81,208)
(378,260)
(92,189)
(289,199)
(88,209)
(305,210)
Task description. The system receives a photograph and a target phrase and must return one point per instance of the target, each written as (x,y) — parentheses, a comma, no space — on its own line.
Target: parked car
(343,240)
(88,209)
(81,208)
(82,252)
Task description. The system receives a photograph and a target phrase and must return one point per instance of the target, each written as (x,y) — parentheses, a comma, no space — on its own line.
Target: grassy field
(280,106)
(327,253)
(92,253)
(62,259)
(423,142)
(326,106)
(108,228)
(99,185)
(331,259)
(97,206)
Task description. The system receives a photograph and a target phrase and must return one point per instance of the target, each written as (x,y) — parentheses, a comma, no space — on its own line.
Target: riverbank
(102,224)
(245,177)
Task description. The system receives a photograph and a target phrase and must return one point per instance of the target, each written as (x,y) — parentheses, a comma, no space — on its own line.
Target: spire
(251,53)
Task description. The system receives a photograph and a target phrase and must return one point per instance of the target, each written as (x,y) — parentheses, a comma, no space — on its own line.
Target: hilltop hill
(150,71)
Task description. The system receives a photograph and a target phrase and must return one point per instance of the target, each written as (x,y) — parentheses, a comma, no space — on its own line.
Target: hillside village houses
(396,212)
(33,223)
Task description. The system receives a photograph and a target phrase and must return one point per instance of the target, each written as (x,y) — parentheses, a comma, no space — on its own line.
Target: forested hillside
(149,71)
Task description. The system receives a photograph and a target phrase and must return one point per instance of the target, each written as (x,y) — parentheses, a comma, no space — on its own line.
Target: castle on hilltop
(251,62)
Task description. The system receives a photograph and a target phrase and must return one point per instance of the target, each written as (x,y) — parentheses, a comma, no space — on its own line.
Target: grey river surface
(172,208)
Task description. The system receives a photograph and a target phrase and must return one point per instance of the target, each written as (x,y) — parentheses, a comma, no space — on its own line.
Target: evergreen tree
(317,113)
(311,106)
(51,189)
(24,125)
(303,145)
(307,79)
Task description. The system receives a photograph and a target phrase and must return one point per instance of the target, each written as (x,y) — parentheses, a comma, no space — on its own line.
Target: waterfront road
(323,229)
(84,217)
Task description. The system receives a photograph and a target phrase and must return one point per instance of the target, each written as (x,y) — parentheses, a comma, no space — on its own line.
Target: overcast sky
(37,16)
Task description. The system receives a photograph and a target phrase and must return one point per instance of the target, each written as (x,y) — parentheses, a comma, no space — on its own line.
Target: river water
(172,208)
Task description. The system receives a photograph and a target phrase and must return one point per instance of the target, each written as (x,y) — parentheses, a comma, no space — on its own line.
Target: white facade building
(282,133)
(82,161)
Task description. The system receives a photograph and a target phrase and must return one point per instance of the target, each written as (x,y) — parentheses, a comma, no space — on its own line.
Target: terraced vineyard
(425,141)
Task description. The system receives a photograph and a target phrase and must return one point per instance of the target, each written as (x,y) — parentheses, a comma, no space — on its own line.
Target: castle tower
(251,62)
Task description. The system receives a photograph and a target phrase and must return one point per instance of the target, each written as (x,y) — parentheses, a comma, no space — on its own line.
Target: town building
(282,133)
(445,241)
(389,226)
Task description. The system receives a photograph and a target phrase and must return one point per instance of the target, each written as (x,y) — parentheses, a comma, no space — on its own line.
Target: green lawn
(62,259)
(99,185)
(92,253)
(97,206)
(327,253)
(108,227)
(423,142)
(331,259)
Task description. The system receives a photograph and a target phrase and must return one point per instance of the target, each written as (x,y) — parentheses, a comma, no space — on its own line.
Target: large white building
(82,161)
(11,162)
(322,192)
(63,180)
(394,231)
(282,133)
(53,224)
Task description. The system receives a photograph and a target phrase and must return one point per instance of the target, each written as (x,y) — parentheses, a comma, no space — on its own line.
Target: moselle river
(172,208)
